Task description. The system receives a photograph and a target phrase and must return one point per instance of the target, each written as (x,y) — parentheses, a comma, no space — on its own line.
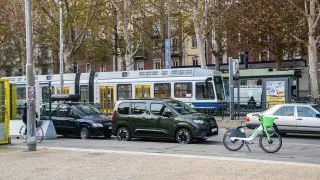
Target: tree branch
(298,8)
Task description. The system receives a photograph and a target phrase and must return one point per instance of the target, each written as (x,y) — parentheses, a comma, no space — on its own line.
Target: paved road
(296,148)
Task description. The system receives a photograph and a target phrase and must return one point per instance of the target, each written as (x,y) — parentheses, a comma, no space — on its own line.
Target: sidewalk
(99,164)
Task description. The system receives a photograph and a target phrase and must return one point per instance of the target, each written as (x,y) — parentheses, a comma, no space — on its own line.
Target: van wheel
(123,134)
(84,133)
(183,136)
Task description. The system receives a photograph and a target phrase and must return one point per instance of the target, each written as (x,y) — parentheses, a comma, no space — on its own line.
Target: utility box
(4,111)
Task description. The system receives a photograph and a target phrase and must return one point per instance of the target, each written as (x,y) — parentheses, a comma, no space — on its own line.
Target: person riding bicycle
(24,115)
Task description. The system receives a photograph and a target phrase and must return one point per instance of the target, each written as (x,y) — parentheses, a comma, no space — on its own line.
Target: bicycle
(235,138)
(39,132)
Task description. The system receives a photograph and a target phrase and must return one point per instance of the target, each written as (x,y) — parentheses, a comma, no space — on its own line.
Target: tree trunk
(23,56)
(67,63)
(313,65)
(199,36)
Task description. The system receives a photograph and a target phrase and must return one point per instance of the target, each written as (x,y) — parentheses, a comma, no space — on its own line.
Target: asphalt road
(295,148)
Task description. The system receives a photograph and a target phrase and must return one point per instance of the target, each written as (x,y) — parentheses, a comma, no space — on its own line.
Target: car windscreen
(181,107)
(87,109)
(317,107)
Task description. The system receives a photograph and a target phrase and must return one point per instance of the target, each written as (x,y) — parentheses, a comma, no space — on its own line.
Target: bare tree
(311,12)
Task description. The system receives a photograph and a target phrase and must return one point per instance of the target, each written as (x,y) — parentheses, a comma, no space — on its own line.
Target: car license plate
(110,127)
(214,129)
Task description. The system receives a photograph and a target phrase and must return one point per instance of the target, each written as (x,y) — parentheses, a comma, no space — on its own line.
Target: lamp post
(61,47)
(30,93)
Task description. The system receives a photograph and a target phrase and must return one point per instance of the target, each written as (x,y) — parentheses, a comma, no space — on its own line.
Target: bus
(201,88)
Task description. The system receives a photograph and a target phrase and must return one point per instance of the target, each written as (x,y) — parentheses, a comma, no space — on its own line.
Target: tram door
(107,99)
(142,91)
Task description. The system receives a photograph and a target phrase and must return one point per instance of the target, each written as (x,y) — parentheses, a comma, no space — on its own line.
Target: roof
(251,73)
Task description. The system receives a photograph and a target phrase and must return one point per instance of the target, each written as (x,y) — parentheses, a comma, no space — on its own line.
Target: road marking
(182,156)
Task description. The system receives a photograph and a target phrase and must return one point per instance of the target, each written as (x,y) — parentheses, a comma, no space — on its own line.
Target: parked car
(291,118)
(77,119)
(164,118)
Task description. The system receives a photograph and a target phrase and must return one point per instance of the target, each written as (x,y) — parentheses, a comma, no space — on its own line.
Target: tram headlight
(198,121)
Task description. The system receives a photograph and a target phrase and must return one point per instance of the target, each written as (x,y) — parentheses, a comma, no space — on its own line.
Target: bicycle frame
(253,135)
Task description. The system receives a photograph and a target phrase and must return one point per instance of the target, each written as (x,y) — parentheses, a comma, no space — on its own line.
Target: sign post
(168,54)
(236,75)
(231,93)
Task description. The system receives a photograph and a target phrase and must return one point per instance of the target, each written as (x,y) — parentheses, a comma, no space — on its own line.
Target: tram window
(123,108)
(124,91)
(45,94)
(219,87)
(138,108)
(183,90)
(21,93)
(84,94)
(201,94)
(162,90)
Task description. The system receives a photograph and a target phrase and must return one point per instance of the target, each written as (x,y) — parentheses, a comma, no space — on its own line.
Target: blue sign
(168,54)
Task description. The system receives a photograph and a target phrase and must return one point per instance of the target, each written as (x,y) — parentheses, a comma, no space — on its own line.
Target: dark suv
(161,119)
(78,119)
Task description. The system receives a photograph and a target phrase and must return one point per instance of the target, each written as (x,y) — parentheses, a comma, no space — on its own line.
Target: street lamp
(30,93)
(61,45)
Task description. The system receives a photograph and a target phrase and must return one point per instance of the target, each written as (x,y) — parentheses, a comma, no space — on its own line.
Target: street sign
(31,93)
(236,70)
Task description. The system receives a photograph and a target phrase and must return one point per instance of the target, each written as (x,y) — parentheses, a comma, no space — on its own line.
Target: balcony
(140,54)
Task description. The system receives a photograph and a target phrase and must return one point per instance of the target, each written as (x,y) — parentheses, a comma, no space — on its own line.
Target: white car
(291,118)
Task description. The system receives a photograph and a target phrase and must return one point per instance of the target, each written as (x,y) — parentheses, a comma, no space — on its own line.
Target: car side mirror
(167,114)
(318,115)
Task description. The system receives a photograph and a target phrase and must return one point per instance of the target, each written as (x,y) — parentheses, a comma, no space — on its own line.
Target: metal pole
(30,93)
(231,92)
(115,29)
(168,61)
(61,47)
(238,99)
(50,116)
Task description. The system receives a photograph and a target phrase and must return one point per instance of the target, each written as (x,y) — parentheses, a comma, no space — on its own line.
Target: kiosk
(4,111)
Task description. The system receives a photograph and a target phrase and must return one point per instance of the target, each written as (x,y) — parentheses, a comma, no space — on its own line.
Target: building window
(124,91)
(157,64)
(88,67)
(174,44)
(140,65)
(195,61)
(162,90)
(194,42)
(102,68)
(175,62)
(183,90)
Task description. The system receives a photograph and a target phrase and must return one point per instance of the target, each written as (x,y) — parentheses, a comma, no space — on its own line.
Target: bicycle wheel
(23,133)
(231,145)
(274,145)
(39,134)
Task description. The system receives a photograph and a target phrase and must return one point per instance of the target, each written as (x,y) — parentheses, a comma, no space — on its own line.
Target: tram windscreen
(218,83)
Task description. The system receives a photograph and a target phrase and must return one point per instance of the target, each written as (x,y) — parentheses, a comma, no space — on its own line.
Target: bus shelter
(264,85)
(4,111)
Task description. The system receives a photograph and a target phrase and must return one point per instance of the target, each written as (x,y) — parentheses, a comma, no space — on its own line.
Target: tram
(201,88)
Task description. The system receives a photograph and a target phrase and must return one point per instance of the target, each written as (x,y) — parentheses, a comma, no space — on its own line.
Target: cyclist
(24,116)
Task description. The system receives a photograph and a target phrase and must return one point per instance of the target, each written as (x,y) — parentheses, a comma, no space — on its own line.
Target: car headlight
(197,121)
(97,125)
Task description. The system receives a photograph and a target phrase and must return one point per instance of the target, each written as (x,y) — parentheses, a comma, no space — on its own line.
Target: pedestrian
(252,103)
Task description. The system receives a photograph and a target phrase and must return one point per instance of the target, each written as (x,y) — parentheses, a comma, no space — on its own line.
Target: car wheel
(123,134)
(107,135)
(84,133)
(183,136)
